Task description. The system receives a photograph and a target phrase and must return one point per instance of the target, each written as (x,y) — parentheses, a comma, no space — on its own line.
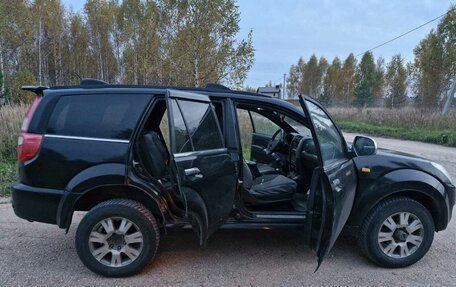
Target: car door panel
(338,186)
(206,178)
(333,186)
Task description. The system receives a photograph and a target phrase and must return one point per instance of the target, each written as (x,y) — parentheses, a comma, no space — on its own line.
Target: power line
(408,32)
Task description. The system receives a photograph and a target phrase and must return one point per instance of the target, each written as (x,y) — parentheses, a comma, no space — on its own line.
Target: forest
(364,81)
(161,42)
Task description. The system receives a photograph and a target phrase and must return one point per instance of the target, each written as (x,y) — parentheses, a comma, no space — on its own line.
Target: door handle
(192,171)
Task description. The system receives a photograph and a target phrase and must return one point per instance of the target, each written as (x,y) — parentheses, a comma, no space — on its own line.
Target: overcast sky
(284,30)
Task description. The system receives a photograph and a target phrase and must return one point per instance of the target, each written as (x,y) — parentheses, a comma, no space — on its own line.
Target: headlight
(442,170)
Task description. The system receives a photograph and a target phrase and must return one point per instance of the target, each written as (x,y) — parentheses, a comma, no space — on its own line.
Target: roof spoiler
(92,82)
(35,89)
(217,87)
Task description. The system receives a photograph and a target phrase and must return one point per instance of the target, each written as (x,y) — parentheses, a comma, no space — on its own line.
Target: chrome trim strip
(208,151)
(86,138)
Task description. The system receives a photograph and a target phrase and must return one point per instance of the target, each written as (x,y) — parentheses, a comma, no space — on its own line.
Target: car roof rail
(92,82)
(35,89)
(217,87)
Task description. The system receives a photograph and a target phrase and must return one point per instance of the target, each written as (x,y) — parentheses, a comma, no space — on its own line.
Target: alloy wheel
(115,241)
(400,235)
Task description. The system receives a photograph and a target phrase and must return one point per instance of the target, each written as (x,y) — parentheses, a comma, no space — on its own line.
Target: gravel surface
(35,254)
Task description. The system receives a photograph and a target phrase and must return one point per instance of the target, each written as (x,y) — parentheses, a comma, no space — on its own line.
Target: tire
(409,241)
(123,235)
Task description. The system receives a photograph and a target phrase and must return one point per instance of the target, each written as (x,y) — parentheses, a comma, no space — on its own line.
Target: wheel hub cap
(115,241)
(400,235)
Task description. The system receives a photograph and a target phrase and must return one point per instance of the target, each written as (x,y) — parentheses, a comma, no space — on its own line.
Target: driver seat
(267,189)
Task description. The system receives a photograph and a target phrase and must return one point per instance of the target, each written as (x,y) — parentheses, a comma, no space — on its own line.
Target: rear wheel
(397,232)
(117,238)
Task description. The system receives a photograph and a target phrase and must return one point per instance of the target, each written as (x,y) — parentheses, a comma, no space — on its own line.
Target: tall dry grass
(10,122)
(11,117)
(407,117)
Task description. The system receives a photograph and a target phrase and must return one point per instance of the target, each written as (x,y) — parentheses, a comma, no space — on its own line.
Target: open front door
(333,187)
(203,168)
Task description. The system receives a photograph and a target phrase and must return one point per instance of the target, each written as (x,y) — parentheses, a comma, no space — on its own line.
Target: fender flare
(396,182)
(97,176)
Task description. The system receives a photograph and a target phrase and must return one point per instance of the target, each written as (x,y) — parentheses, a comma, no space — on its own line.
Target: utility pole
(283,87)
(446,107)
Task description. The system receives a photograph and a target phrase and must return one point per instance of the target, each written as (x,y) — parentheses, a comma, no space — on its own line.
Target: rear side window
(197,126)
(202,125)
(97,116)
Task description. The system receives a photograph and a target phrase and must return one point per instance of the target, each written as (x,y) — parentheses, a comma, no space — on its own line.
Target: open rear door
(203,168)
(333,186)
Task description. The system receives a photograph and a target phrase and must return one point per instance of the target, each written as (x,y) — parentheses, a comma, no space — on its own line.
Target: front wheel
(117,238)
(397,232)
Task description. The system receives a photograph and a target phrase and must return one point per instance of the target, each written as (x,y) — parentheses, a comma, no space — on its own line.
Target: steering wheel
(276,140)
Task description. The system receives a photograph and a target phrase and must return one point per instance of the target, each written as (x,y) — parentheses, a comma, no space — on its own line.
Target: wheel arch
(413,184)
(86,200)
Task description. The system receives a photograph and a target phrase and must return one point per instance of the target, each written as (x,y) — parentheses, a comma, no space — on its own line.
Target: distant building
(270,91)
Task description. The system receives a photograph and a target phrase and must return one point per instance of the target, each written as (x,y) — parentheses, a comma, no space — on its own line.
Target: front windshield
(298,127)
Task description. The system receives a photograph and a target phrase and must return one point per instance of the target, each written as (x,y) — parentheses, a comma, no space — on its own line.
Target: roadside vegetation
(10,121)
(406,123)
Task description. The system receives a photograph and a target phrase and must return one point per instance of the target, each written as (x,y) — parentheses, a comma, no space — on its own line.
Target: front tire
(397,232)
(117,238)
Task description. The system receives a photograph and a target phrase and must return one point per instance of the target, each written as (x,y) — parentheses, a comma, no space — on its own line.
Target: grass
(10,121)
(406,123)
(443,137)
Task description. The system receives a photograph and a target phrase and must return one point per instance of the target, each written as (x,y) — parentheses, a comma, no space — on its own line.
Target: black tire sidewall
(93,217)
(392,207)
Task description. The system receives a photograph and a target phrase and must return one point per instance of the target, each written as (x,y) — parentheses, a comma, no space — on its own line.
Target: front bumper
(35,203)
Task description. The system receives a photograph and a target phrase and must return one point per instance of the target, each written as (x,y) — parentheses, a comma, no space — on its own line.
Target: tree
(379,80)
(331,83)
(18,79)
(396,82)
(446,32)
(312,79)
(79,60)
(295,78)
(427,72)
(200,37)
(347,79)
(100,23)
(366,76)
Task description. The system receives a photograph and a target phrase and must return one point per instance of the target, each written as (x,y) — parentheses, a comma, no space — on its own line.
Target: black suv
(141,159)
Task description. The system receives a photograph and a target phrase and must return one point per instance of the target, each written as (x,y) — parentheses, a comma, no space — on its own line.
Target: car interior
(278,155)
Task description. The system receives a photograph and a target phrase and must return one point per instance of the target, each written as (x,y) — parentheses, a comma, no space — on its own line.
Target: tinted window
(331,143)
(181,138)
(202,125)
(99,116)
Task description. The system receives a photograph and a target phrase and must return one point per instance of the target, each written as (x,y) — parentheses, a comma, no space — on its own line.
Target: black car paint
(371,189)
(394,173)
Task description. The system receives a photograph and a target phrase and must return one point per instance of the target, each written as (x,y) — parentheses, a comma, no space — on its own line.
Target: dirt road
(35,254)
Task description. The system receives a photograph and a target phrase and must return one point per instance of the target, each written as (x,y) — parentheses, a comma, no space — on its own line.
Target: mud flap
(197,212)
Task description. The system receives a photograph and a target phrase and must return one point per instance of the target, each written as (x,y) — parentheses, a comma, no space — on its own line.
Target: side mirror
(364,146)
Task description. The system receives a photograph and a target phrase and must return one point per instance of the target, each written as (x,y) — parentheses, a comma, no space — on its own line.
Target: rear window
(98,116)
